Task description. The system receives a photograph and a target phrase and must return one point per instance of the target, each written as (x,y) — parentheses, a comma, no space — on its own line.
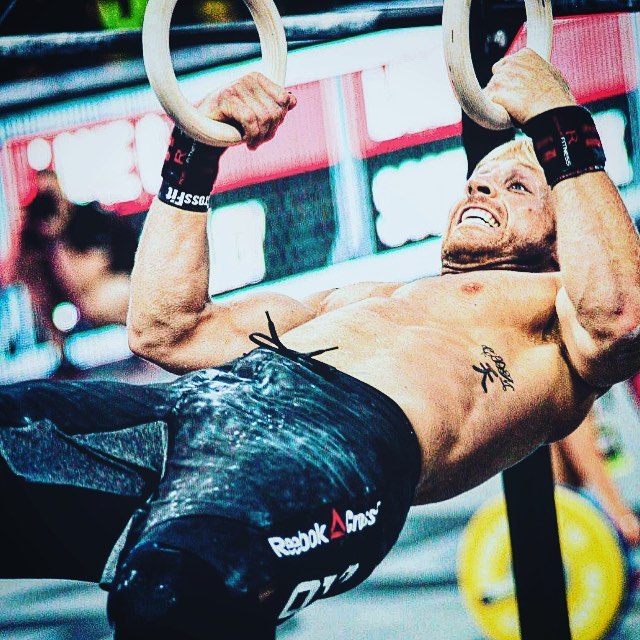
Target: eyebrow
(500,161)
(529,166)
(525,168)
(523,171)
(517,173)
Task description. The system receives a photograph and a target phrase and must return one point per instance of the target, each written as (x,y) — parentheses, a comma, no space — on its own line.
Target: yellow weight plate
(595,566)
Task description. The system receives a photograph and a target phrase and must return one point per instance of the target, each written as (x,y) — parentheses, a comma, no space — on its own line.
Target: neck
(507,263)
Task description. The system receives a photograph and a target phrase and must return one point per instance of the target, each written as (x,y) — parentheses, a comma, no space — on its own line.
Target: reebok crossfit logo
(300,543)
(359,521)
(304,541)
(338,528)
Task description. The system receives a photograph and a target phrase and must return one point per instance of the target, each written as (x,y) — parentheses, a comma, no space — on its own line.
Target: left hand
(254,104)
(525,85)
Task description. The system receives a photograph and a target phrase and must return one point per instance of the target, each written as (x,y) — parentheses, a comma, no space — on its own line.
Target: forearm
(169,281)
(599,254)
(171,270)
(598,304)
(170,320)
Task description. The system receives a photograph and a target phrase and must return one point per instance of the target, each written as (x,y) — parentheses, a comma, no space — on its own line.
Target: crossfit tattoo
(492,369)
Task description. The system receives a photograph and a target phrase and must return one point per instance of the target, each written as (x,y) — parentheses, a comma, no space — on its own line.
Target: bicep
(599,361)
(222,330)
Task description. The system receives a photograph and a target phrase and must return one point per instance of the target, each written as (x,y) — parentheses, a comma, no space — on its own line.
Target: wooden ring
(457,55)
(159,67)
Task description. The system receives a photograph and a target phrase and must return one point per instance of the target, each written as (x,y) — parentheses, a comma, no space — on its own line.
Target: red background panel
(595,53)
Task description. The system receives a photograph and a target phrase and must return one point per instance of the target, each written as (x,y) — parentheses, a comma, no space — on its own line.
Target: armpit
(350,294)
(316,301)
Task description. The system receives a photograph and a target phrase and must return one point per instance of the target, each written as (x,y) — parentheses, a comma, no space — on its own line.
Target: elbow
(157,342)
(616,354)
(160,352)
(629,325)
(145,342)
(624,345)
(138,341)
(616,326)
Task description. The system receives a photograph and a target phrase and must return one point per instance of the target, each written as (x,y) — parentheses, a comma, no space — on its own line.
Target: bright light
(408,96)
(414,199)
(152,138)
(611,126)
(39,361)
(65,316)
(97,163)
(236,246)
(97,347)
(39,154)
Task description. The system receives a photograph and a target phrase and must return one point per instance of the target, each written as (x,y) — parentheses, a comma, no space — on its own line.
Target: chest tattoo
(493,368)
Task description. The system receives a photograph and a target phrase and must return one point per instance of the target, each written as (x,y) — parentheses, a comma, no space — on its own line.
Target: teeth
(479,216)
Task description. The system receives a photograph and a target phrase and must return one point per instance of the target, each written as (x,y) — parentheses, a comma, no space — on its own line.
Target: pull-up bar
(318,27)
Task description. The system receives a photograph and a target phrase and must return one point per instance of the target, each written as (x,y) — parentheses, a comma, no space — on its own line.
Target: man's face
(503,222)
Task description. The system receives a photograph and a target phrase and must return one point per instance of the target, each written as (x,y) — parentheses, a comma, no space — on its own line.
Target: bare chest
(475,362)
(520,302)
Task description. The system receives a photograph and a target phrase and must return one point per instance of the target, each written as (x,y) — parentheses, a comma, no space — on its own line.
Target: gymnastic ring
(159,68)
(457,54)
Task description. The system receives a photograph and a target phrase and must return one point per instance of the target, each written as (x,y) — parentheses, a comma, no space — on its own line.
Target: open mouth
(478,217)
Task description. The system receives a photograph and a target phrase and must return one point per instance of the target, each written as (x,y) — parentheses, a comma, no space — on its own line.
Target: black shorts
(291,481)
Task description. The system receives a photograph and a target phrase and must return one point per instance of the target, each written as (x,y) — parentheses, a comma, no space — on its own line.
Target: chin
(470,248)
(465,253)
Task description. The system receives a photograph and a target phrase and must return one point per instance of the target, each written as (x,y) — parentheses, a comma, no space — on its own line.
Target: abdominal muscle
(466,433)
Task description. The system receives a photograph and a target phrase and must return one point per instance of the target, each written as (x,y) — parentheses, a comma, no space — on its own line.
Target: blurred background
(356,186)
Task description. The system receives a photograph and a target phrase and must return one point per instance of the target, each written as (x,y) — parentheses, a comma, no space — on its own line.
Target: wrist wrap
(189,171)
(566,143)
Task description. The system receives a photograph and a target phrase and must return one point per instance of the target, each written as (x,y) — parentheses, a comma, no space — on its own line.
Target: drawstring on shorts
(273,343)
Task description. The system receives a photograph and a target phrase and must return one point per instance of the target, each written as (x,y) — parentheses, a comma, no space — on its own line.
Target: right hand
(525,85)
(254,104)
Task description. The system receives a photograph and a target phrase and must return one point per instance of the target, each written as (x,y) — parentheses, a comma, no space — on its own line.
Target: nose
(480,185)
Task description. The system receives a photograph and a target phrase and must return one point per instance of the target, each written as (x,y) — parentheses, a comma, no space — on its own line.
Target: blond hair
(521,148)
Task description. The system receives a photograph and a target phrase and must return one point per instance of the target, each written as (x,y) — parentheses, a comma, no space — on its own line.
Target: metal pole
(528,486)
(535,545)
(317,27)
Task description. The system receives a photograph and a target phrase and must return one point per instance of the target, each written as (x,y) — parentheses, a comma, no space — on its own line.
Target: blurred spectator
(78,254)
(92,262)
(578,462)
(44,220)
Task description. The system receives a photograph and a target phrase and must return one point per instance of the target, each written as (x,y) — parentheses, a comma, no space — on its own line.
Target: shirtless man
(289,474)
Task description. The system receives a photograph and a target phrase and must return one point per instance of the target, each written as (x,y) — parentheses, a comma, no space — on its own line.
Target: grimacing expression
(504,221)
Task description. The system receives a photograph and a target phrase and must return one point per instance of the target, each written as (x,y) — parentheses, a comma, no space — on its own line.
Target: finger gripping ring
(457,55)
(159,67)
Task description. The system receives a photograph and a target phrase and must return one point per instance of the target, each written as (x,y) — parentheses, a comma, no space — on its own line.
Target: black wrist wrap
(189,171)
(566,143)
